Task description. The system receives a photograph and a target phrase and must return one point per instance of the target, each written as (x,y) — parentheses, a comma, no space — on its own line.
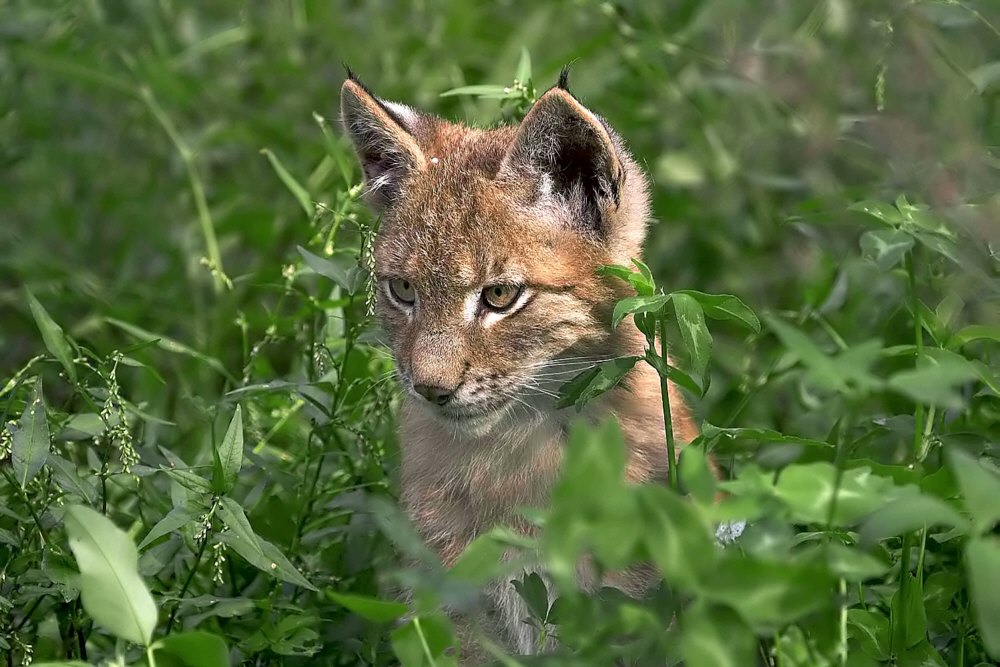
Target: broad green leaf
(975,332)
(482,560)
(53,336)
(638,304)
(593,382)
(229,456)
(373,609)
(189,480)
(980,489)
(809,489)
(674,374)
(886,247)
(908,512)
(711,432)
(851,563)
(111,589)
(694,331)
(174,520)
(641,281)
(921,655)
(696,474)
(31,441)
(299,192)
(337,268)
(531,587)
(871,630)
(420,636)
(769,593)
(257,551)
(523,72)
(194,649)
(934,380)
(725,307)
(887,213)
(909,619)
(68,478)
(982,561)
(715,636)
(823,368)
(677,538)
(986,77)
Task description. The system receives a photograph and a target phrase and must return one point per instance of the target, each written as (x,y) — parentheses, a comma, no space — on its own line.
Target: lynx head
(488,249)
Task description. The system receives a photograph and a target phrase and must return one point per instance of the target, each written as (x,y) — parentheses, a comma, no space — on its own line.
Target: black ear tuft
(564,78)
(351,76)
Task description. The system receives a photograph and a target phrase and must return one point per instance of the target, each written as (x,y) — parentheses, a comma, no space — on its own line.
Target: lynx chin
(486,264)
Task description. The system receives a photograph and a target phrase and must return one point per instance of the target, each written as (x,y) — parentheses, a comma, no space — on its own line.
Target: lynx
(486,263)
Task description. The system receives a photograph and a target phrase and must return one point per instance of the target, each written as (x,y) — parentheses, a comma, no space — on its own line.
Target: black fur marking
(564,78)
(351,76)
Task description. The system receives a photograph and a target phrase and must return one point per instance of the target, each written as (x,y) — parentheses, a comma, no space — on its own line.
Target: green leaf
(476,90)
(228,456)
(921,655)
(195,649)
(641,280)
(674,374)
(809,489)
(886,247)
(871,630)
(725,307)
(379,611)
(851,563)
(909,619)
(30,446)
(111,589)
(982,560)
(174,520)
(68,478)
(53,336)
(189,480)
(696,474)
(694,331)
(934,380)
(337,268)
(879,210)
(167,344)
(531,587)
(986,77)
(257,551)
(593,382)
(638,304)
(679,539)
(422,635)
(980,488)
(299,192)
(975,332)
(824,369)
(715,636)
(769,593)
(711,432)
(908,512)
(483,560)
(523,72)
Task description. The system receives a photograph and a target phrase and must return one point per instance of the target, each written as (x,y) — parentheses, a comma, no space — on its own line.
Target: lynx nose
(434,394)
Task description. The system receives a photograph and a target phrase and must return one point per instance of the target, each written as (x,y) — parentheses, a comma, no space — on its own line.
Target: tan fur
(464,208)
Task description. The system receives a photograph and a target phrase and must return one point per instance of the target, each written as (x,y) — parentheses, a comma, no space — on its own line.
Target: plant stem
(149,656)
(194,570)
(423,641)
(918,337)
(668,427)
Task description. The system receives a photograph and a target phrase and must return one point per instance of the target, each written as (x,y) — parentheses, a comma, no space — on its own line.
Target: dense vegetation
(196,444)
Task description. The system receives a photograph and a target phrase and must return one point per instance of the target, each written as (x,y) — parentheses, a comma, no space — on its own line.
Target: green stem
(668,427)
(423,641)
(918,337)
(149,656)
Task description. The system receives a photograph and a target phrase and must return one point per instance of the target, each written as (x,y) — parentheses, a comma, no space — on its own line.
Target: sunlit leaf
(228,456)
(31,441)
(982,560)
(113,594)
(53,336)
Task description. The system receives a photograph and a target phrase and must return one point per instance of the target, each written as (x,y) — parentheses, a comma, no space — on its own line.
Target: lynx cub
(486,261)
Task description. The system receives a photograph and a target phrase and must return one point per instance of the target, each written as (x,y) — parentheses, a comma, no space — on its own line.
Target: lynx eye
(403,291)
(500,297)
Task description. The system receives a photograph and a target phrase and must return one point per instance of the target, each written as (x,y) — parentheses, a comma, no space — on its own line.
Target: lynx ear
(382,133)
(574,156)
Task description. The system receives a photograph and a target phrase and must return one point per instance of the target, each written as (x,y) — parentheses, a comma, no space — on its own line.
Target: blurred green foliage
(180,235)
